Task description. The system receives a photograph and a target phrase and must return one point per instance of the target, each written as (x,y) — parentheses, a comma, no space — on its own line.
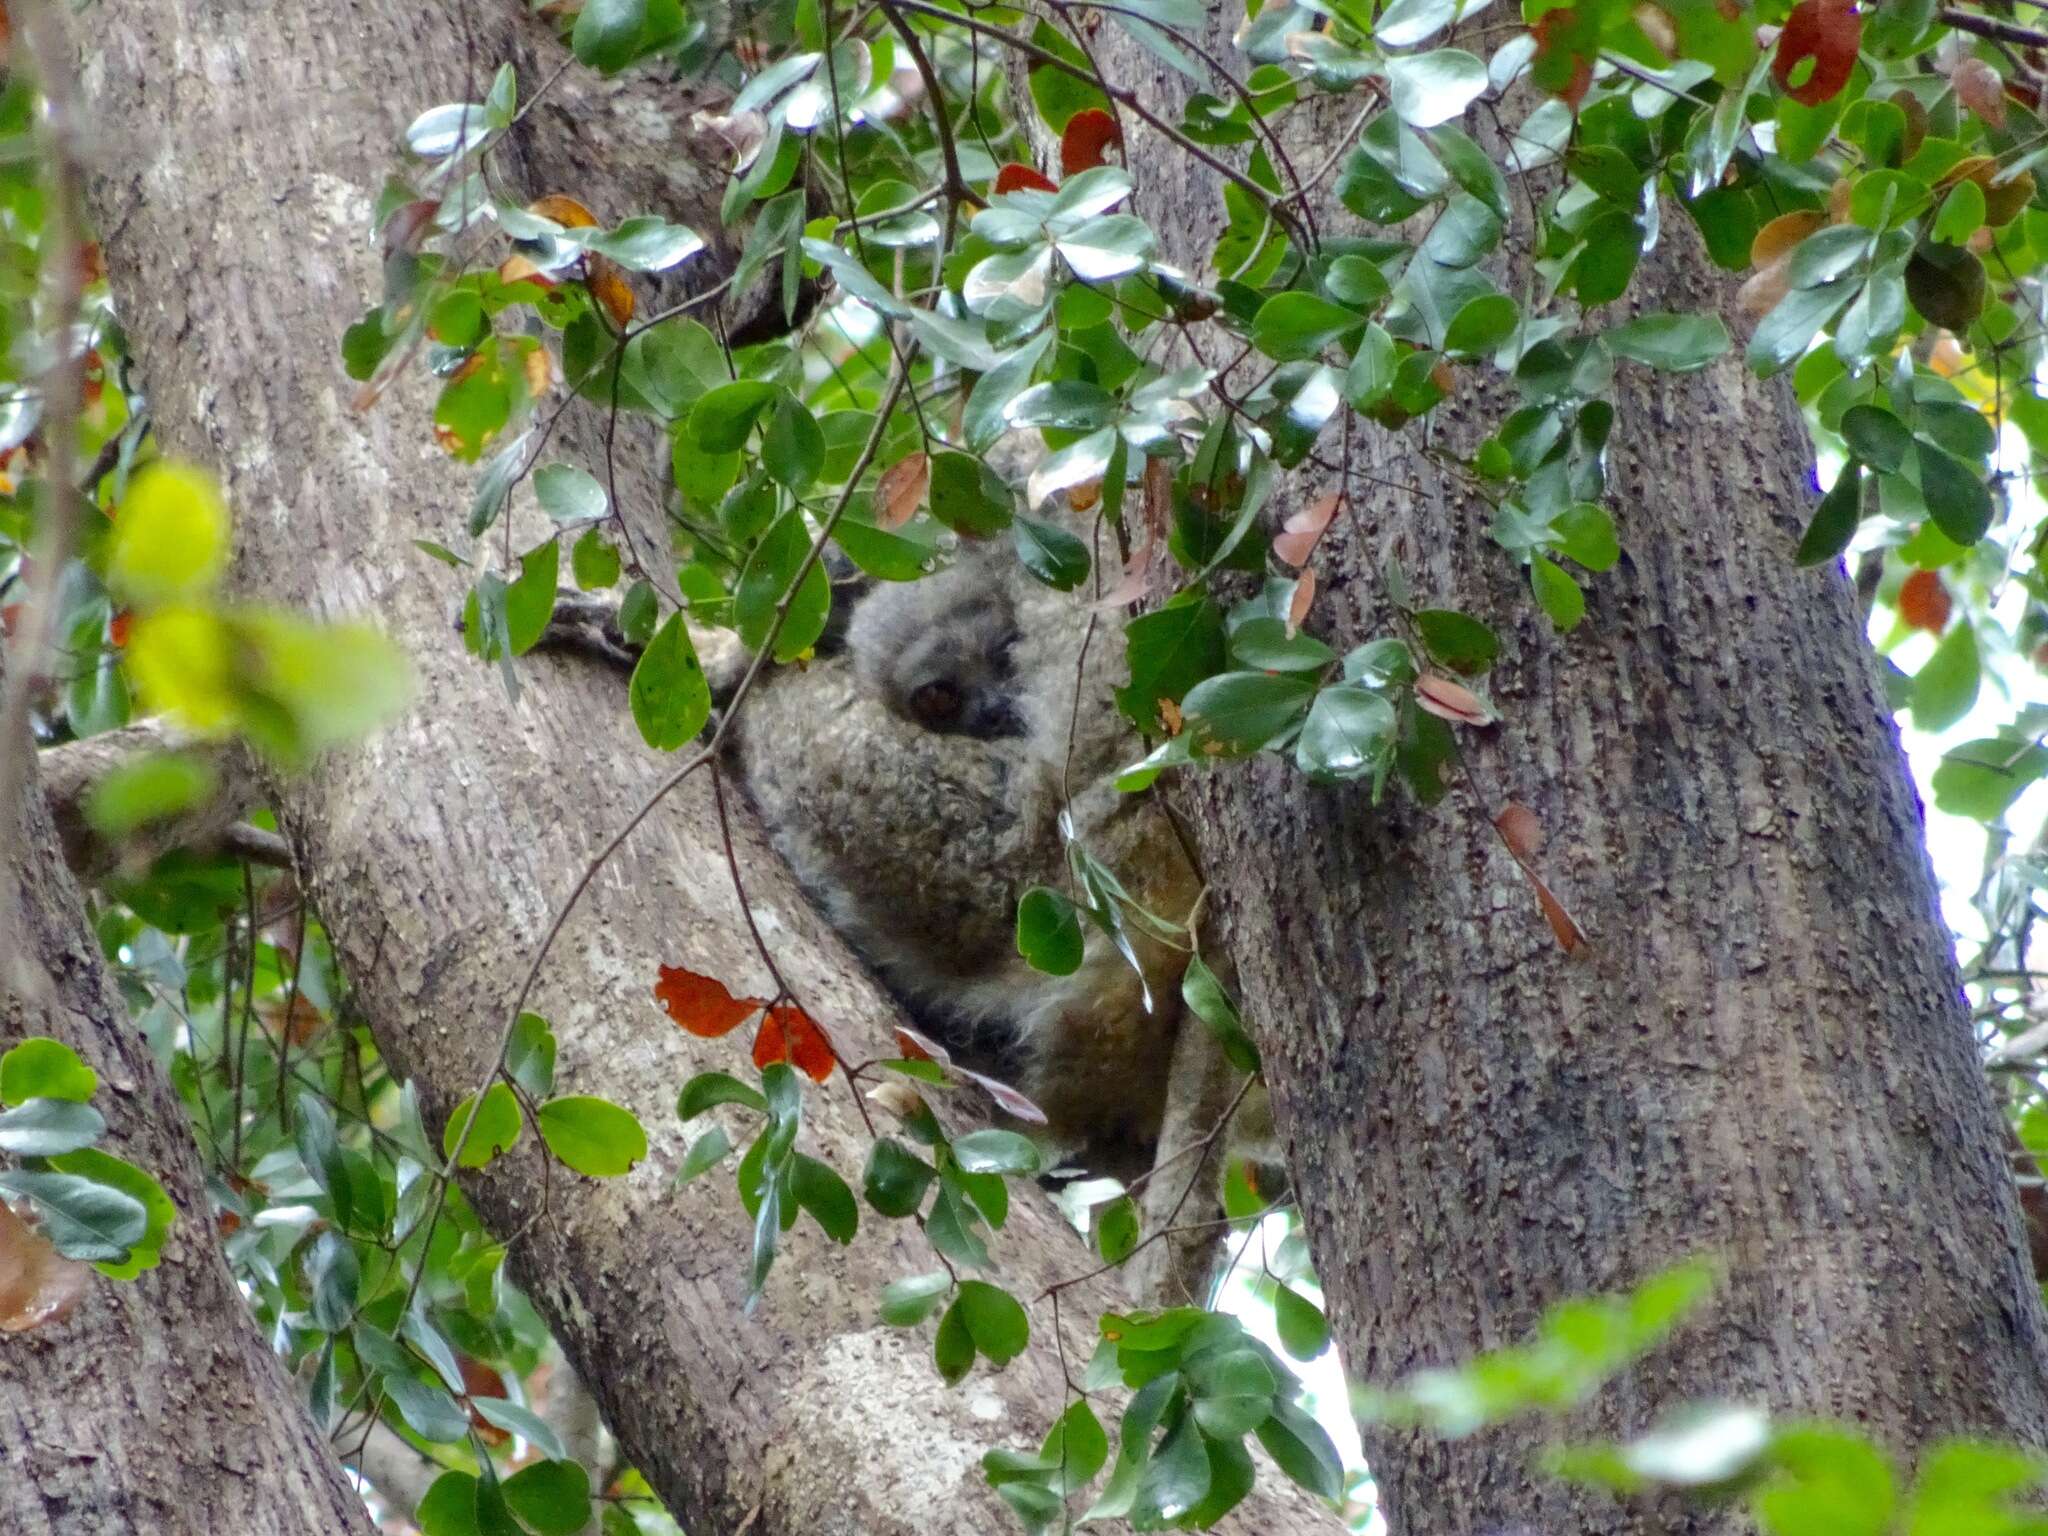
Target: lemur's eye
(936,704)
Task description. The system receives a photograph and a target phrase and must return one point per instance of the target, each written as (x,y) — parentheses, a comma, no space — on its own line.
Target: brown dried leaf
(901,489)
(1763,288)
(1981,88)
(1570,938)
(1778,237)
(37,1285)
(1520,830)
(607,283)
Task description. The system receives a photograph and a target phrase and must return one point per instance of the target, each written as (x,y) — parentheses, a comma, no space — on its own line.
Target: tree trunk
(1764,1053)
(155,1405)
(238,249)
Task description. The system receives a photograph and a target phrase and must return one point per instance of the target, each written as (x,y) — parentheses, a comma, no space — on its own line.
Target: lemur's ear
(849,586)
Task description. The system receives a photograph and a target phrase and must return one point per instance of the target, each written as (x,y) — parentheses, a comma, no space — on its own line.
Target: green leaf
(670,696)
(709,1089)
(149,788)
(497,1127)
(1238,713)
(1304,1331)
(42,1068)
(1556,593)
(1482,324)
(47,1127)
(611,34)
(1116,1229)
(1049,553)
(449,1509)
(1168,651)
(1296,325)
(969,497)
(1232,1391)
(1585,533)
(1405,23)
(1457,640)
(1945,687)
(594,562)
(530,1055)
(907,1302)
(1982,779)
(552,1498)
(1601,272)
(530,601)
(896,1178)
(637,613)
(1175,1480)
(569,494)
(592,1135)
(1827,1480)
(428,1410)
(1432,88)
(1076,1446)
(1956,495)
(334,1275)
(1674,343)
(819,1190)
(1349,734)
(1302,1449)
(996,1151)
(994,1320)
(706,1153)
(1049,932)
(1876,437)
(765,585)
(793,448)
(1835,519)
(953,1347)
(118,1174)
(1208,1001)
(723,418)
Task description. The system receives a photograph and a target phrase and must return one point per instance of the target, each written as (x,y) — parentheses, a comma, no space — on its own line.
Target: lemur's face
(955,679)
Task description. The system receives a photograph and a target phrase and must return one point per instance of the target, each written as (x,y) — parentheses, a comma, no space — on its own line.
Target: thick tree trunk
(1763,1056)
(237,242)
(155,1405)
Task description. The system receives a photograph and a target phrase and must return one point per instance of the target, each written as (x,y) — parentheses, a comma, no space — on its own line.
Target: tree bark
(237,246)
(1764,1054)
(155,1405)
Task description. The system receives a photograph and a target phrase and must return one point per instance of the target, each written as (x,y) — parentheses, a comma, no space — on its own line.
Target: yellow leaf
(170,536)
(182,662)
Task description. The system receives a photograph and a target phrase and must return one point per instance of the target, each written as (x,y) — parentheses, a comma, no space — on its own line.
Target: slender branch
(2000,31)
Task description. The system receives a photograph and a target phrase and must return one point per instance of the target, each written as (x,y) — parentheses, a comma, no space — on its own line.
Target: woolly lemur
(916,787)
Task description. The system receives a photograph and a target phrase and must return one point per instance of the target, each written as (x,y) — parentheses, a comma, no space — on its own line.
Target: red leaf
(788,1034)
(901,488)
(1523,834)
(1924,602)
(1827,32)
(701,1004)
(1299,537)
(1570,938)
(1017,178)
(1088,133)
(1451,701)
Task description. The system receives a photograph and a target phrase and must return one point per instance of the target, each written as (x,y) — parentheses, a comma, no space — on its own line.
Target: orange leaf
(539,369)
(519,269)
(1451,701)
(1171,717)
(1297,605)
(901,488)
(1082,497)
(37,1285)
(118,627)
(1570,937)
(1924,602)
(1017,178)
(1826,31)
(306,1019)
(701,1004)
(1087,135)
(565,211)
(608,285)
(787,1033)
(1981,88)
(1305,527)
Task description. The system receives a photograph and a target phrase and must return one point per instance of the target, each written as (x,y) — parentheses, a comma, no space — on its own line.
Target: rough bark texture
(155,1405)
(236,236)
(1764,1057)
